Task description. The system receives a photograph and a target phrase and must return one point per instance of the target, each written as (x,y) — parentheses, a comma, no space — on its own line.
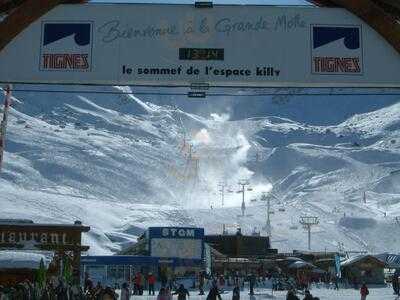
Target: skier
(335,281)
(236,293)
(138,283)
(182,292)
(201,283)
(364,292)
(135,287)
(252,281)
(221,282)
(151,280)
(125,292)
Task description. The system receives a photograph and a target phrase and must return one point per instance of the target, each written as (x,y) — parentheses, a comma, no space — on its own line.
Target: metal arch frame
(381,15)
(21,13)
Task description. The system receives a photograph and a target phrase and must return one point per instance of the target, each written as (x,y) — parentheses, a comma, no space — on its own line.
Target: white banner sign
(181,248)
(155,44)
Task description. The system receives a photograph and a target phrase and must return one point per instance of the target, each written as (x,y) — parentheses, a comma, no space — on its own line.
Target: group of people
(139,281)
(182,292)
(167,293)
(291,295)
(59,290)
(98,292)
(50,290)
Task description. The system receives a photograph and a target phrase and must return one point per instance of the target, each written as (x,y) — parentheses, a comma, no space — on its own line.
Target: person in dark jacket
(291,296)
(252,282)
(364,292)
(213,294)
(108,294)
(61,291)
(125,292)
(88,283)
(182,292)
(201,283)
(236,293)
(308,296)
(395,282)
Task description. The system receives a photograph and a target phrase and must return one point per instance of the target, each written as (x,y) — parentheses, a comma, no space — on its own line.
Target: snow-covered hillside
(121,163)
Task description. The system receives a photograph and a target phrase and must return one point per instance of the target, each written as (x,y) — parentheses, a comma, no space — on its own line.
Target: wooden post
(3,125)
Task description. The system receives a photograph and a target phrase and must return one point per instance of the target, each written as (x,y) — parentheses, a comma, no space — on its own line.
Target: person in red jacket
(138,280)
(151,279)
(364,291)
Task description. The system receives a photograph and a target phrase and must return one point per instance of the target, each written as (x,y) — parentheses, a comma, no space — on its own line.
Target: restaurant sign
(41,238)
(37,237)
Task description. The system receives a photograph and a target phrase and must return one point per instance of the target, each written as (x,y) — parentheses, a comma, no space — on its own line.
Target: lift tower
(308,222)
(222,186)
(243,183)
(267,227)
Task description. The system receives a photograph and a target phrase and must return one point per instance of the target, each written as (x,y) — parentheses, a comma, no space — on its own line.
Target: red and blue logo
(66,46)
(336,49)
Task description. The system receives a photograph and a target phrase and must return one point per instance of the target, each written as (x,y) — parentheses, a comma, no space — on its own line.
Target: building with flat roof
(241,246)
(26,243)
(166,252)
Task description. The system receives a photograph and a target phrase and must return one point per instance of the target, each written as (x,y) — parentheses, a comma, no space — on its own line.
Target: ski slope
(121,163)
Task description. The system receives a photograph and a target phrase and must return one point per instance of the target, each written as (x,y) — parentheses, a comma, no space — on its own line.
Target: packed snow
(123,162)
(23,260)
(321,293)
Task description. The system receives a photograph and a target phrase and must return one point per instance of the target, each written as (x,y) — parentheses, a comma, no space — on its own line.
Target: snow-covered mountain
(121,163)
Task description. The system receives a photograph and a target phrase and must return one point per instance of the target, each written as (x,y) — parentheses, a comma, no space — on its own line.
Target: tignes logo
(66,46)
(336,49)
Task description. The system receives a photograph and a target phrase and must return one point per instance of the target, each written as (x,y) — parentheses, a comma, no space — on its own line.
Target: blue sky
(269,2)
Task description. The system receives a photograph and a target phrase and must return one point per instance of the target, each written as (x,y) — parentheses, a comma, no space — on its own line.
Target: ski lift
(249,189)
(282,209)
(253,200)
(293,227)
(230,191)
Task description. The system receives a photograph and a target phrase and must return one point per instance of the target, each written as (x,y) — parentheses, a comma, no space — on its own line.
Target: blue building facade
(171,253)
